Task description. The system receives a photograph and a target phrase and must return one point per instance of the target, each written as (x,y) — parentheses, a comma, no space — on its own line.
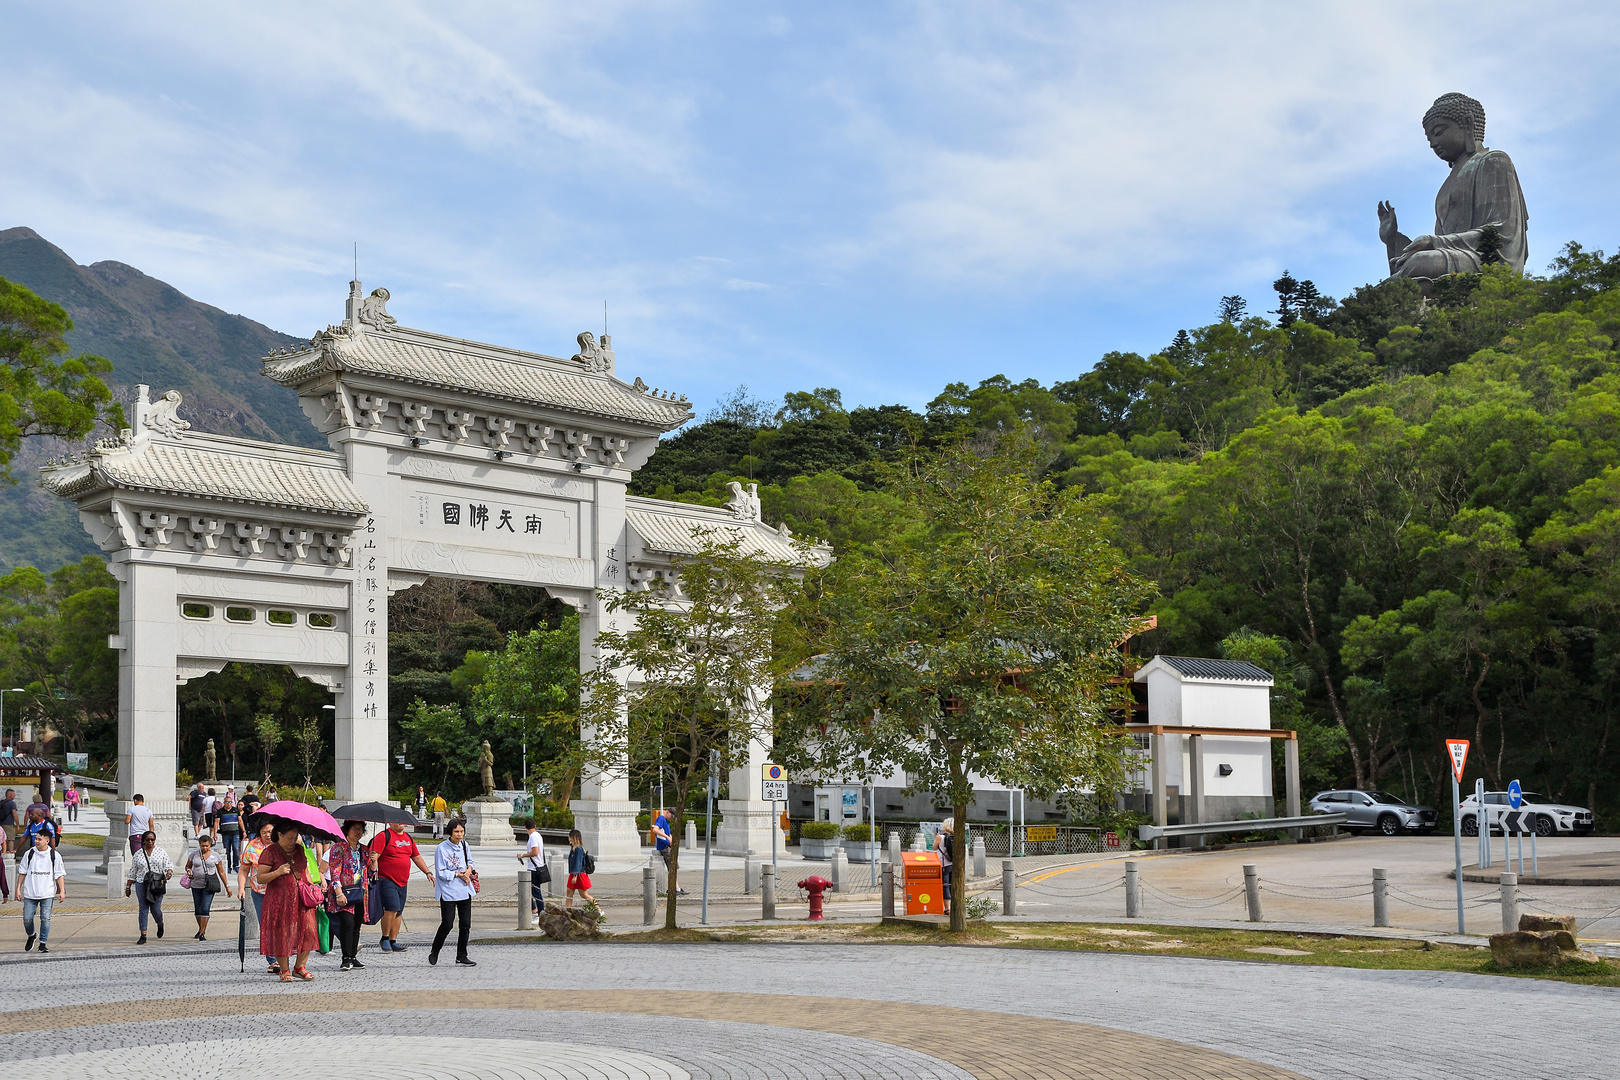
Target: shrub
(980,906)
(861,833)
(818,830)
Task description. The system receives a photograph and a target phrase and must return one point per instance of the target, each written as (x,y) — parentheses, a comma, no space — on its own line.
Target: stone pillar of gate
(604,814)
(148,676)
(360,725)
(745,819)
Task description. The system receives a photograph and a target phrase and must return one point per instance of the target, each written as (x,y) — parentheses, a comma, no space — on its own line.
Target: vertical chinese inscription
(372,620)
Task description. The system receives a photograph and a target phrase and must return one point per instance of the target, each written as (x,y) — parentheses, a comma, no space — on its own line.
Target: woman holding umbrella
(348,897)
(287,927)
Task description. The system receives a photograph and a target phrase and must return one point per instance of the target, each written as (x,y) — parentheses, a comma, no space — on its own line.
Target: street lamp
(3,693)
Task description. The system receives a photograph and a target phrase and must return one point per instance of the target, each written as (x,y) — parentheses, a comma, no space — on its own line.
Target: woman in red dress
(287,926)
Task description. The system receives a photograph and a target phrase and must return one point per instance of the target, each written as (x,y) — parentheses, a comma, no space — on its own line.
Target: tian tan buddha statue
(1479,213)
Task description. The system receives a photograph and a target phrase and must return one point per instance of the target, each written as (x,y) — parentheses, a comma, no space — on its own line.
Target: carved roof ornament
(160,417)
(744,503)
(374,310)
(596,356)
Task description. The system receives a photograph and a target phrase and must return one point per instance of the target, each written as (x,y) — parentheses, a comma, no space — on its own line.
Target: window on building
(240,614)
(197,611)
(281,618)
(322,620)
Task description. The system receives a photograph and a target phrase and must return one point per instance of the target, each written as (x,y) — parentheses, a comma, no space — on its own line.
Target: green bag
(323,931)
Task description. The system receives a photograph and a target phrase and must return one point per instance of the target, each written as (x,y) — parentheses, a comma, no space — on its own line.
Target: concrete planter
(818,850)
(862,852)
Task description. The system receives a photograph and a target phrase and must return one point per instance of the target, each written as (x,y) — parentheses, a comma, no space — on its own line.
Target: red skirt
(579,881)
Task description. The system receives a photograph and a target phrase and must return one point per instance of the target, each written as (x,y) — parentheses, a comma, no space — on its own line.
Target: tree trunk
(958,869)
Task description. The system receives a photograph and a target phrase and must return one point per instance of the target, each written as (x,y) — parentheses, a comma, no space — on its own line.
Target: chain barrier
(1051,890)
(1363,890)
(1195,903)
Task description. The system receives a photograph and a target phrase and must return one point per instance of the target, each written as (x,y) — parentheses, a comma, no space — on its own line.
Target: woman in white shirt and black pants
(455,881)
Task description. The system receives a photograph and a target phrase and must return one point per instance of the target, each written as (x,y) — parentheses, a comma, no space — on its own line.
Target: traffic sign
(1515,795)
(1518,823)
(1111,839)
(1037,834)
(1458,749)
(773,786)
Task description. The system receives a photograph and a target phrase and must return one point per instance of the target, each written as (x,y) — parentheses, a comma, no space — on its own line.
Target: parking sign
(773,786)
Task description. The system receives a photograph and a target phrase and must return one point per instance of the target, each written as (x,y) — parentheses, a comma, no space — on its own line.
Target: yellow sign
(1036,833)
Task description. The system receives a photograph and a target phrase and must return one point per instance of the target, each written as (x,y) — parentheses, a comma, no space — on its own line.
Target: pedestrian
(10,820)
(70,799)
(149,873)
(455,880)
(943,843)
(199,803)
(247,877)
(205,876)
(421,803)
(580,865)
(250,803)
(42,880)
(137,822)
(38,823)
(392,852)
(348,897)
(210,809)
(661,842)
(5,886)
(287,928)
(534,858)
(441,810)
(228,823)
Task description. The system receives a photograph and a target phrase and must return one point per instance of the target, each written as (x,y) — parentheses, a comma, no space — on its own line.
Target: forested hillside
(1409,511)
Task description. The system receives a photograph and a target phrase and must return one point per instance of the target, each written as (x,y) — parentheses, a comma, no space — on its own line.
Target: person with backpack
(149,872)
(198,806)
(392,853)
(581,865)
(204,876)
(455,881)
(228,821)
(42,881)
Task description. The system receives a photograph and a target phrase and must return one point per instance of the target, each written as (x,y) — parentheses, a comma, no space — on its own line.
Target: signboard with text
(773,785)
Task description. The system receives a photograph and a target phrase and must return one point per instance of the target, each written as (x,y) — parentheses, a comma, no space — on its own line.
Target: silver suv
(1550,817)
(1378,810)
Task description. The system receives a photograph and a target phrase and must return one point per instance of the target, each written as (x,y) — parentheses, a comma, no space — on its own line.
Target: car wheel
(1389,825)
(1544,825)
(1470,826)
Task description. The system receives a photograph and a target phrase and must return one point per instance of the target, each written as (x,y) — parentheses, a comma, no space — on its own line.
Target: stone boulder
(1547,922)
(1537,948)
(568,924)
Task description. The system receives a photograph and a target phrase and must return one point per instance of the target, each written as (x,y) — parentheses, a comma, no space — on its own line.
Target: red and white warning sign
(1458,748)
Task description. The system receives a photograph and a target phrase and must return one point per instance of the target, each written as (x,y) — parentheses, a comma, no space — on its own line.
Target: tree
(988,646)
(1233,308)
(529,691)
(267,729)
(307,738)
(439,735)
(700,647)
(43,391)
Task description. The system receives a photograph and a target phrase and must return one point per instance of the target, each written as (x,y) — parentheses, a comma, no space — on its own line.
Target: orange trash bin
(925,883)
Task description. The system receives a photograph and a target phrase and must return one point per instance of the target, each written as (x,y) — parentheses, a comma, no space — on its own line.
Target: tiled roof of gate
(212,467)
(1199,667)
(667,527)
(435,360)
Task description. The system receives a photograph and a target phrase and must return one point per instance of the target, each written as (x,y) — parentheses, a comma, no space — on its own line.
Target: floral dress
(348,866)
(286,927)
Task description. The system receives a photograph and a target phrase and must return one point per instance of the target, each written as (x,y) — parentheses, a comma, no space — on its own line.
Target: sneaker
(433,958)
(396,946)
(43,949)
(141,940)
(466,962)
(383,945)
(348,965)
(30,946)
(356,964)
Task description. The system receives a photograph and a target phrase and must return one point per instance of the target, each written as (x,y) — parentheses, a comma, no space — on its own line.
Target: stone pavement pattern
(988,1012)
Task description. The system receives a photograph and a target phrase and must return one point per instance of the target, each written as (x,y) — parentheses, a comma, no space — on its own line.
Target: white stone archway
(449,458)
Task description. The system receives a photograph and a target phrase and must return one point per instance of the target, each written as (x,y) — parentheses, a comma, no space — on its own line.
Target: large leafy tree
(985,645)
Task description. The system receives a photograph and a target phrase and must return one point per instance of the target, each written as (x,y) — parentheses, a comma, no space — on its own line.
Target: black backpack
(589,863)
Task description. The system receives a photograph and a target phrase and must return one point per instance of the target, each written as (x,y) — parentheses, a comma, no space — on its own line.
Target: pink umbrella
(301,816)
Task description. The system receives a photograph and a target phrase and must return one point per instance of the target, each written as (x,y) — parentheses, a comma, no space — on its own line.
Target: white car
(1550,818)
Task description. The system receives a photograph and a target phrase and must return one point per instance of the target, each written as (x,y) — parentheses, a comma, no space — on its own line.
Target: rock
(1547,922)
(1537,948)
(568,924)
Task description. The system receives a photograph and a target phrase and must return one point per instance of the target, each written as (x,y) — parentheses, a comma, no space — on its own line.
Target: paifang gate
(449,458)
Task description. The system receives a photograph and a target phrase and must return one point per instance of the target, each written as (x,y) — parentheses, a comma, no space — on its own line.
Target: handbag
(467,860)
(155,885)
(213,883)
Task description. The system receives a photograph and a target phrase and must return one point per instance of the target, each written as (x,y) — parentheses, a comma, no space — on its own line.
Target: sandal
(303,973)
(286,976)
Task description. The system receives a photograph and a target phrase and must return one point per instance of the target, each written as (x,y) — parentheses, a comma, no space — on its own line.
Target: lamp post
(3,693)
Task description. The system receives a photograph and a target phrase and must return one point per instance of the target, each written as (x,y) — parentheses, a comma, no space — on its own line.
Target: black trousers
(346,928)
(448,911)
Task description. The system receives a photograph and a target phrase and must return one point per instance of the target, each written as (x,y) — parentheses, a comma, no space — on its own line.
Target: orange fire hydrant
(815,885)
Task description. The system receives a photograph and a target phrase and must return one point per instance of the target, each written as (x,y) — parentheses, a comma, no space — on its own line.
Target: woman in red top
(287,926)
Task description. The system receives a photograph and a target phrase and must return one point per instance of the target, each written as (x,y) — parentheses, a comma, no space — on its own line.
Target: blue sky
(877,197)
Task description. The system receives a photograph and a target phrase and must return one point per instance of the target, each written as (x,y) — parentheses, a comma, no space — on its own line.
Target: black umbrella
(241,934)
(374,811)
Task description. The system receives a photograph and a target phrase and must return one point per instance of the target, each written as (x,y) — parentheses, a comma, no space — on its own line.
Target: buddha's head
(1455,125)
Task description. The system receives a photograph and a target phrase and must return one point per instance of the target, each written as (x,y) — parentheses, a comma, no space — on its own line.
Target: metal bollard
(1510,903)
(649,896)
(1009,888)
(1133,890)
(1380,897)
(1251,886)
(767,891)
(525,900)
(750,874)
(888,890)
(840,871)
(978,857)
(115,878)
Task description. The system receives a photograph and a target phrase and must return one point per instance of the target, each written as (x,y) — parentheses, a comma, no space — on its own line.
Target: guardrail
(1154,832)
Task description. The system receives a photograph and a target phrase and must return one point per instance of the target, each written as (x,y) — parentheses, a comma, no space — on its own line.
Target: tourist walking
(205,876)
(287,927)
(5,886)
(455,881)
(421,803)
(70,799)
(534,858)
(10,817)
(944,843)
(580,866)
(199,806)
(42,881)
(348,896)
(247,877)
(148,874)
(137,822)
(440,810)
(392,852)
(38,822)
(228,824)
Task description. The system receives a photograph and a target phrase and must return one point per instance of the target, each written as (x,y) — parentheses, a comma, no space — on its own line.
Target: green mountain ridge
(153,334)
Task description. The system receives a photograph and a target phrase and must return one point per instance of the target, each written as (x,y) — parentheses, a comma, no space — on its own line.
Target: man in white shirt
(534,858)
(137,821)
(43,882)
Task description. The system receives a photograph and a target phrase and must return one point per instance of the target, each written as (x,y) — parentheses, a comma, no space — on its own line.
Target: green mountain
(153,334)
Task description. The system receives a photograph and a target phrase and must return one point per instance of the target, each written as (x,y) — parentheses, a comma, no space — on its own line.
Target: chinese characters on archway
(477,516)
(370,621)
